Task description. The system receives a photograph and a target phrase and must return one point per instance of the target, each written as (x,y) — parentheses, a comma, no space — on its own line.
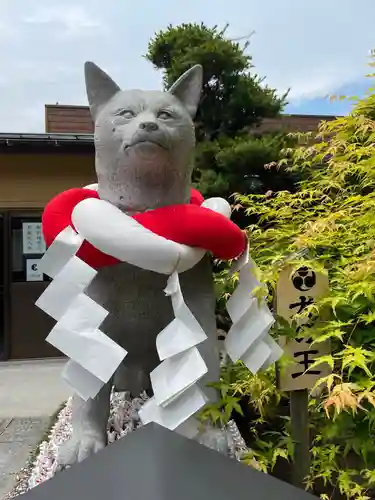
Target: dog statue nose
(149,126)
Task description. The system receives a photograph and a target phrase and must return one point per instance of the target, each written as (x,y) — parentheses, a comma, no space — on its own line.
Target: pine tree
(234,100)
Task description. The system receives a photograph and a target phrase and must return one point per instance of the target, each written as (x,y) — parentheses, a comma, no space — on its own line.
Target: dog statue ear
(188,88)
(100,88)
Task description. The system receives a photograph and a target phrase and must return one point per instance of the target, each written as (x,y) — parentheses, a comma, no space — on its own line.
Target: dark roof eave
(10,139)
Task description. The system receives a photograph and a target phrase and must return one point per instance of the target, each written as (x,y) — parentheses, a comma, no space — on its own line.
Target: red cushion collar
(190,225)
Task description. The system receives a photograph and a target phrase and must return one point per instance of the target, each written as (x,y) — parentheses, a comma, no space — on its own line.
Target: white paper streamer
(256,356)
(176,374)
(184,331)
(276,351)
(242,296)
(249,339)
(68,284)
(176,395)
(252,325)
(84,383)
(94,356)
(177,412)
(66,244)
(77,335)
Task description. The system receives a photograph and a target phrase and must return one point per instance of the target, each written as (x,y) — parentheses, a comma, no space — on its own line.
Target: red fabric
(190,225)
(196,198)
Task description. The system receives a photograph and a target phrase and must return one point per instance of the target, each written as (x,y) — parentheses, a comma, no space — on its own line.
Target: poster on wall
(33,241)
(33,272)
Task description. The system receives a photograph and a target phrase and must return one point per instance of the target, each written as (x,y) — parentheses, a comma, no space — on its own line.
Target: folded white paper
(256,356)
(78,337)
(177,338)
(83,315)
(248,338)
(70,282)
(276,352)
(255,323)
(173,284)
(176,374)
(175,414)
(242,260)
(183,313)
(84,383)
(240,299)
(66,244)
(184,331)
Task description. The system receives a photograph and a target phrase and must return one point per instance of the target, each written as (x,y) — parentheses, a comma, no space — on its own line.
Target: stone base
(123,419)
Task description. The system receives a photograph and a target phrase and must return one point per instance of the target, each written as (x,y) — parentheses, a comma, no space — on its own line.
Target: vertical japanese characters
(296,291)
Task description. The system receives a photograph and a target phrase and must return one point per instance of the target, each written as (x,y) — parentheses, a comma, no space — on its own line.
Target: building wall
(292,123)
(65,119)
(30,180)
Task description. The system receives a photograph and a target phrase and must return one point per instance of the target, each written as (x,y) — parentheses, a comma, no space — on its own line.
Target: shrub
(329,225)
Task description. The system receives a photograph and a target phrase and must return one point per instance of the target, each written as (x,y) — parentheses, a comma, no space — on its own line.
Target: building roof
(72,127)
(10,138)
(69,126)
(11,142)
(77,119)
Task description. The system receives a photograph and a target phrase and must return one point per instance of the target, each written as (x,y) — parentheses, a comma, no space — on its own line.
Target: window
(27,248)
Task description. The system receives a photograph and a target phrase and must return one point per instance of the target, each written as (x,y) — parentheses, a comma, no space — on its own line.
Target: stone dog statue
(144,142)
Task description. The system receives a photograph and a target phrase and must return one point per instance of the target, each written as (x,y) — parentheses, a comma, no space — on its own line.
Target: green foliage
(234,99)
(241,165)
(327,224)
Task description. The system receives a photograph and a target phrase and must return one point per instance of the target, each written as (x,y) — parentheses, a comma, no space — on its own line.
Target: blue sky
(325,105)
(315,48)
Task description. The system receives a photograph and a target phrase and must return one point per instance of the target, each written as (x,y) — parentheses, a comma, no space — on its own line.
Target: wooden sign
(296,290)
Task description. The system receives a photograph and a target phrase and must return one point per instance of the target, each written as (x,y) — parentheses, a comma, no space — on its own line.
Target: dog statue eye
(164,115)
(125,113)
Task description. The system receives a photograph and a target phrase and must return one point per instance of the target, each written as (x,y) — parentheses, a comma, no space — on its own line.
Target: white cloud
(313,47)
(75,20)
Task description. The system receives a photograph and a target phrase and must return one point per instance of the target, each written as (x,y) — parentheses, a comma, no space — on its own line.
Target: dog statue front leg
(89,422)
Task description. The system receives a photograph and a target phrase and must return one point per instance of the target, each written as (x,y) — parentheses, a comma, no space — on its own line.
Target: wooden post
(295,291)
(299,416)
